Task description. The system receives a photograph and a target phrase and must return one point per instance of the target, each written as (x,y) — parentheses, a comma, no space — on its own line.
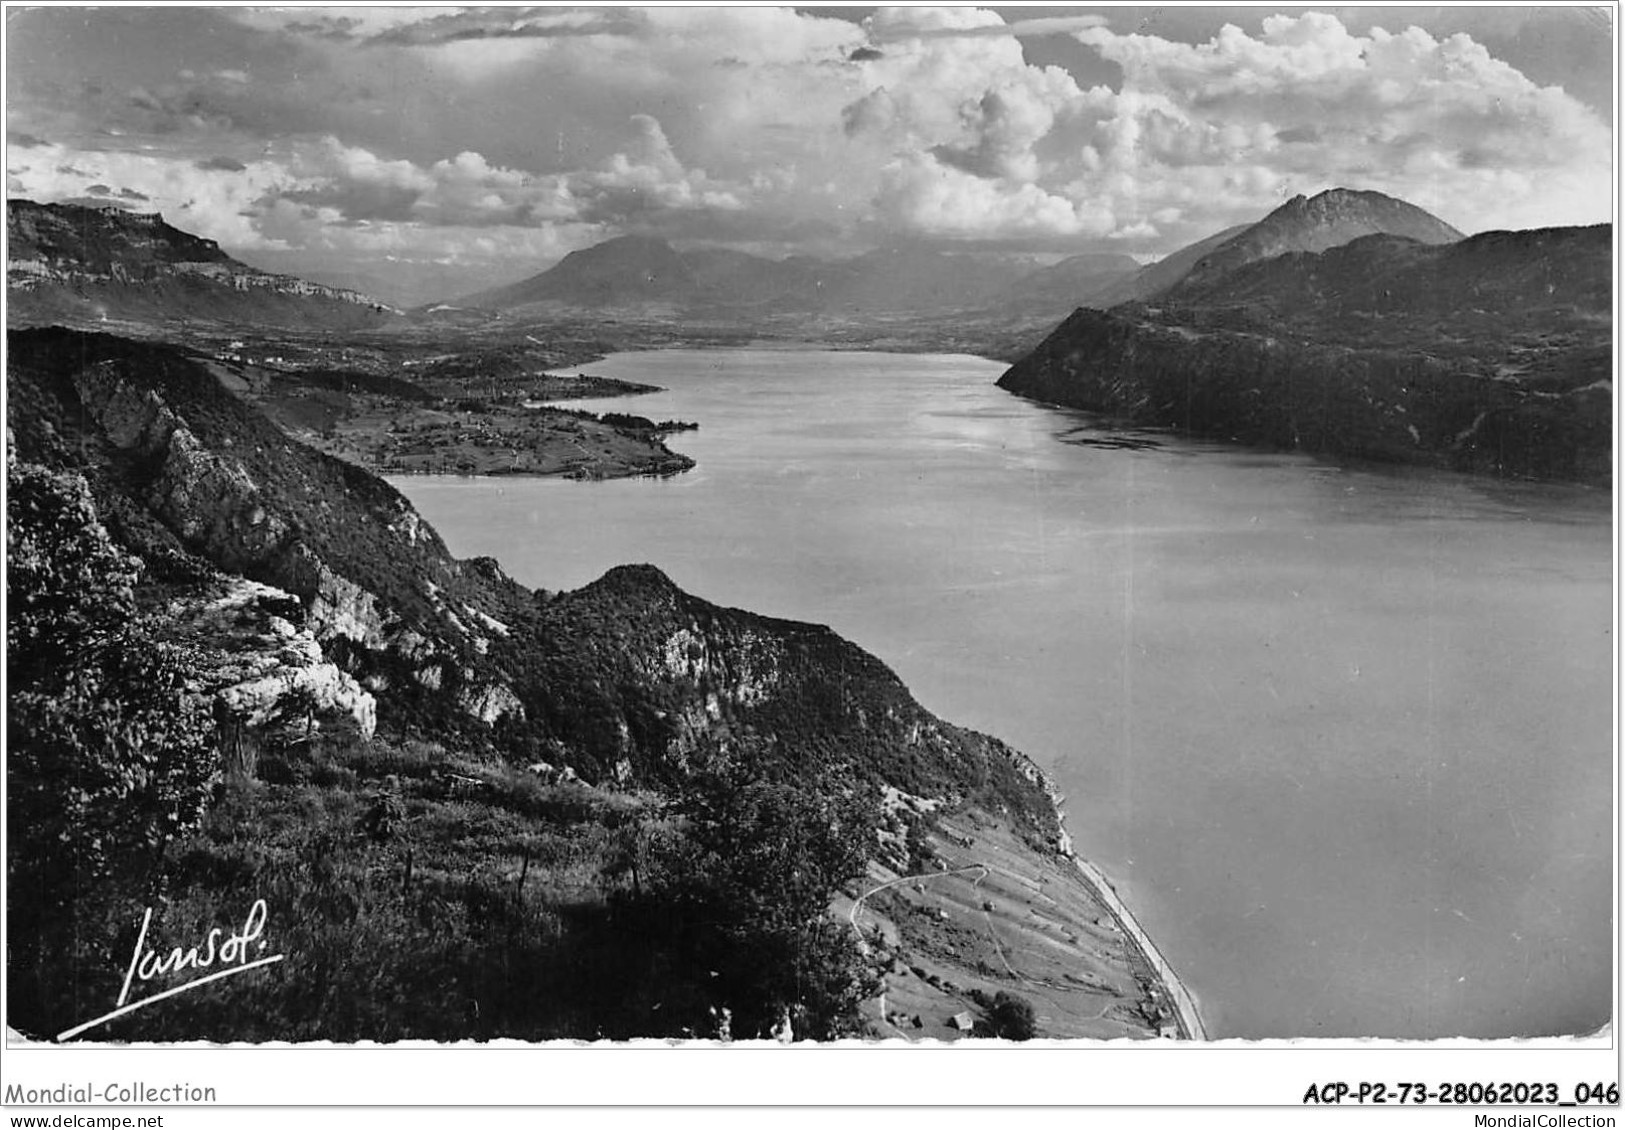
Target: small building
(963,1021)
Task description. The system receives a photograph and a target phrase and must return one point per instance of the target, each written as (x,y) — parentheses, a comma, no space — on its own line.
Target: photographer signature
(235,953)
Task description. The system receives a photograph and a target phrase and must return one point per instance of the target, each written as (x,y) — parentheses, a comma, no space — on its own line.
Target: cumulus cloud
(1307,103)
(642,178)
(379,130)
(340,24)
(920,193)
(508,23)
(219,204)
(647,176)
(981,28)
(1006,124)
(1202,135)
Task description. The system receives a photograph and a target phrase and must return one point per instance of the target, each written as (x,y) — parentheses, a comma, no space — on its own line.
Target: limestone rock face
(133,418)
(213,503)
(85,263)
(209,500)
(491,702)
(339,607)
(745,672)
(258,666)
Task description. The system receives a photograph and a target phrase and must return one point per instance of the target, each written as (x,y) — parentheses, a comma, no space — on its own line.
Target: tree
(67,585)
(744,895)
(111,754)
(1012,1017)
(109,760)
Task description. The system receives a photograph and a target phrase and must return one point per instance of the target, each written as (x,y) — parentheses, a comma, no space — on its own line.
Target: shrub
(67,584)
(111,755)
(741,898)
(1012,1017)
(110,760)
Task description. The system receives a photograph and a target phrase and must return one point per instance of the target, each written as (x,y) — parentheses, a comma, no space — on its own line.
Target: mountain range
(640,271)
(634,271)
(71,262)
(1489,353)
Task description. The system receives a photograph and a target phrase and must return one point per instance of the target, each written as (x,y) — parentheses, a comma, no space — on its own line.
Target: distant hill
(631,269)
(1492,353)
(1394,287)
(634,271)
(1076,281)
(82,265)
(1164,273)
(917,279)
(1319,223)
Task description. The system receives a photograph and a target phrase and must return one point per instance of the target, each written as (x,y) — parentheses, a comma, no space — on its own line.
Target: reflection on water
(1341,736)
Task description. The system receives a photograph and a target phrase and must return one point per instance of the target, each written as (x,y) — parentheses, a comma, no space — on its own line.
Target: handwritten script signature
(235,952)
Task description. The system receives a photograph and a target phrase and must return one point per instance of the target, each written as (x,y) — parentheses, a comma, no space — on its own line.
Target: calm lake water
(1341,737)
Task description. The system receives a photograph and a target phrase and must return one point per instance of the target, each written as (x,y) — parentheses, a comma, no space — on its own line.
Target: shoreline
(1188,1016)
(1186,1013)
(1184,1002)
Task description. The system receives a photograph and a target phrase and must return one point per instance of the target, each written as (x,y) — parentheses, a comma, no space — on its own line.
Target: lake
(1341,736)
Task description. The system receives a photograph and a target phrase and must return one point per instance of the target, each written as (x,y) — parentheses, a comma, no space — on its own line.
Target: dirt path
(857,905)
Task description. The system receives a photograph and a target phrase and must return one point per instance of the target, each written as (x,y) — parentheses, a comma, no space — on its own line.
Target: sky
(426,152)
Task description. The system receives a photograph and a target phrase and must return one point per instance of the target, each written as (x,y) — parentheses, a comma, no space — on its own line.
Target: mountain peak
(1383,213)
(1318,223)
(628,244)
(640,268)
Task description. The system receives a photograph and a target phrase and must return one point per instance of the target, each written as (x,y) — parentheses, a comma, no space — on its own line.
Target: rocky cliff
(67,262)
(260,662)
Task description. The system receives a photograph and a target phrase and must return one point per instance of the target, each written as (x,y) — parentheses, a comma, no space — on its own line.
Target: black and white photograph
(687,526)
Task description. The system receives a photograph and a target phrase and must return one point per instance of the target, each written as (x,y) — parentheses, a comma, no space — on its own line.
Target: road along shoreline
(1189,1018)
